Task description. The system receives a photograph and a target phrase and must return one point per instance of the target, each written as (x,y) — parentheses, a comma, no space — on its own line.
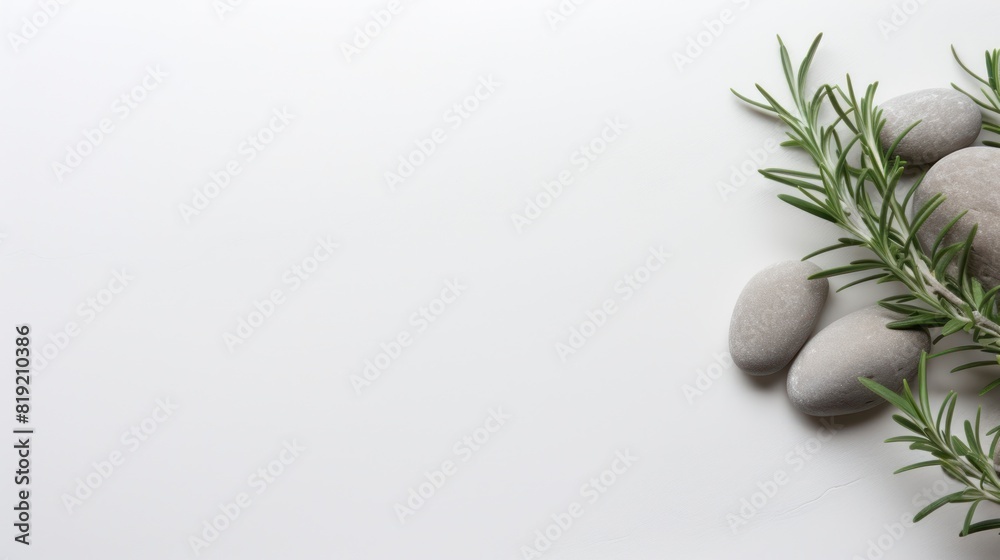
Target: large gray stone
(774,316)
(970,180)
(949,121)
(823,379)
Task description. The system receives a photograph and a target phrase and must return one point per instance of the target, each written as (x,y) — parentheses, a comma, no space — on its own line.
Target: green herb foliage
(990,90)
(963,460)
(856,184)
(860,195)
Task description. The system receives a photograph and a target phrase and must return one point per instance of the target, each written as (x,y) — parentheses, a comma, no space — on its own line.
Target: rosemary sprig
(990,89)
(859,194)
(855,186)
(963,460)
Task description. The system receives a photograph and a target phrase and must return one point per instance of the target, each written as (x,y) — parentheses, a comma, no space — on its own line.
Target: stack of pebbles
(777,312)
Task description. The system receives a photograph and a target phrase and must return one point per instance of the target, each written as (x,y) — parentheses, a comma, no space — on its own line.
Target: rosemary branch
(990,90)
(855,186)
(861,198)
(965,461)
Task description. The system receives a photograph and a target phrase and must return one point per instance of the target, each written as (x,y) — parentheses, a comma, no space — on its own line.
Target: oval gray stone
(823,379)
(774,316)
(949,121)
(970,181)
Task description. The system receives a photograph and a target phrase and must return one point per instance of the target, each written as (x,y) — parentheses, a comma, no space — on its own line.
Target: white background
(495,347)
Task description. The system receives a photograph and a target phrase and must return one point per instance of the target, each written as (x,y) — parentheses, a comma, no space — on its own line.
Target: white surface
(656,185)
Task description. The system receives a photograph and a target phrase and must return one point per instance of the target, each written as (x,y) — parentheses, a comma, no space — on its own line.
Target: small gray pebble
(970,180)
(774,316)
(823,379)
(949,121)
